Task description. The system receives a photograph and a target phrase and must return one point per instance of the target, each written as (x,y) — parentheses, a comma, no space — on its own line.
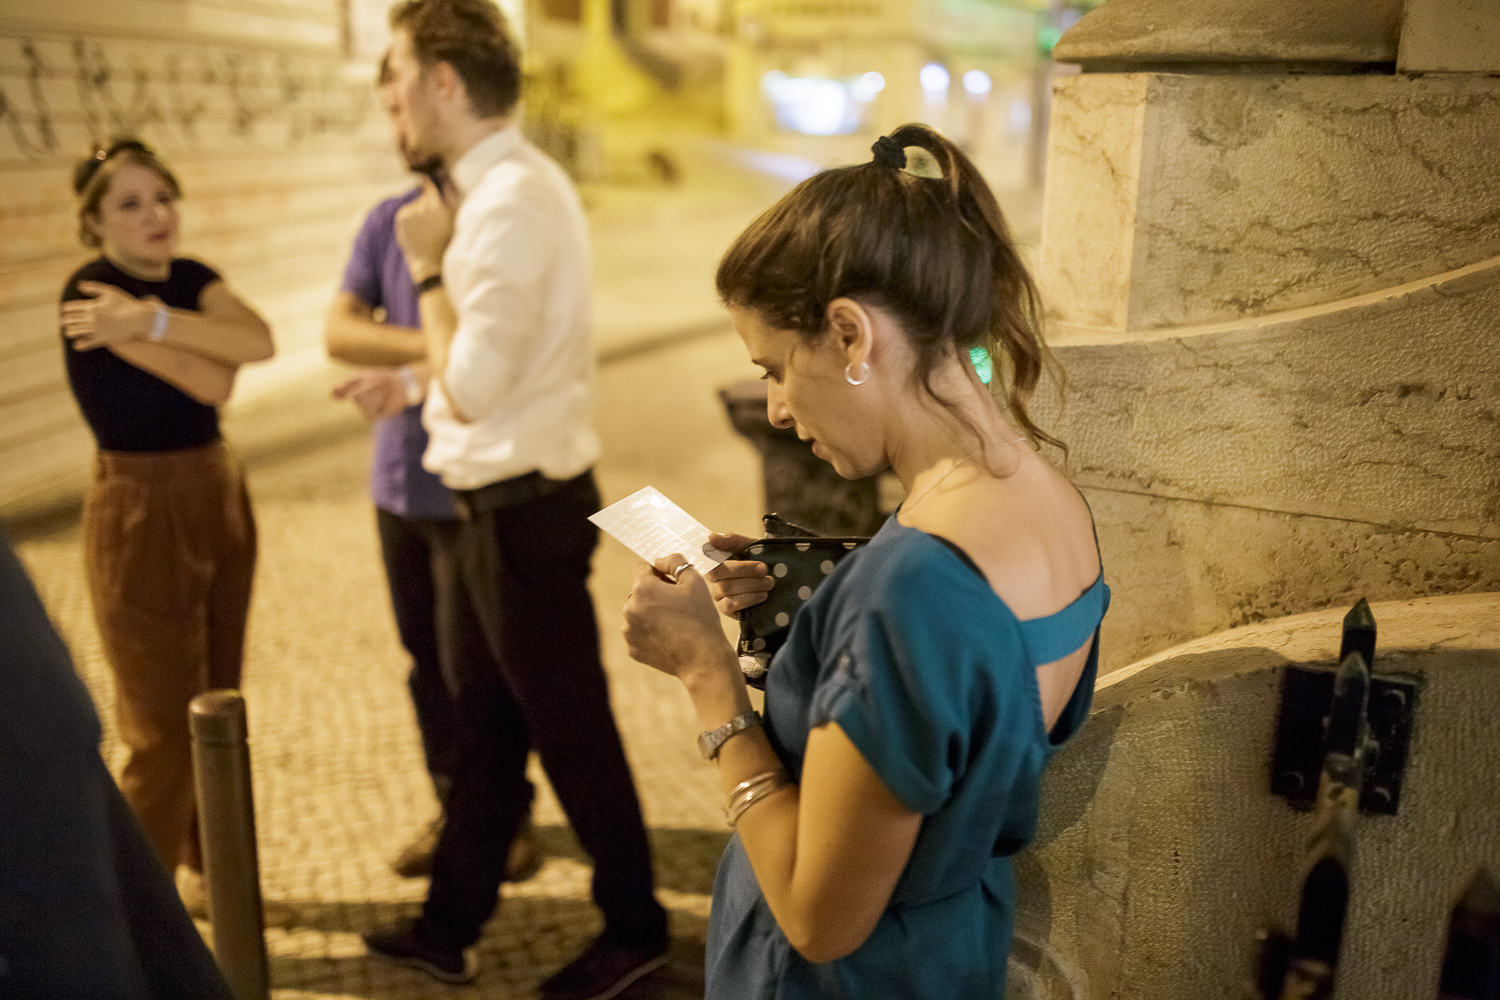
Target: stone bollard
(226,820)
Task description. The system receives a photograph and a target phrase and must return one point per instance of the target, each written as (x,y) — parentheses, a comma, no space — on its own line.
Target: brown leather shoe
(523,861)
(193,892)
(525,857)
(415,861)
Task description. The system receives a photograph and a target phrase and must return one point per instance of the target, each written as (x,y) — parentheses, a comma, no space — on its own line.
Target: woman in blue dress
(926,684)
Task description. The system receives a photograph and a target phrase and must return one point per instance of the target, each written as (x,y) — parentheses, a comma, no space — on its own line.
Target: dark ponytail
(934,251)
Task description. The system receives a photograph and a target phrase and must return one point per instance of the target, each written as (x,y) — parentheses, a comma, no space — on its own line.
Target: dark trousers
(413,552)
(520,594)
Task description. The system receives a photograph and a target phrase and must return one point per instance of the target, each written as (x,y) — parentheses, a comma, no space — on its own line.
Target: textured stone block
(1245,196)
(1386,412)
(1093,190)
(1282,466)
(1450,36)
(1178,568)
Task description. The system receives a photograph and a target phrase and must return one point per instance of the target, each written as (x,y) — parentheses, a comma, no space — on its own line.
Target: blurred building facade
(823,78)
(609,82)
(815,80)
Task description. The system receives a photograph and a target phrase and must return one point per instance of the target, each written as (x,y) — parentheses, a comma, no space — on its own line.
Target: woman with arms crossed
(925,685)
(152,342)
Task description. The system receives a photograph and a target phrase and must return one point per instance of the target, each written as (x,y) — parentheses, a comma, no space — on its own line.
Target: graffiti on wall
(57,97)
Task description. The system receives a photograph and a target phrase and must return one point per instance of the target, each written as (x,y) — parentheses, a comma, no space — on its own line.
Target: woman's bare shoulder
(1031,533)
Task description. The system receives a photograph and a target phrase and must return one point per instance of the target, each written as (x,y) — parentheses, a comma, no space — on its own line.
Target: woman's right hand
(737,584)
(108,316)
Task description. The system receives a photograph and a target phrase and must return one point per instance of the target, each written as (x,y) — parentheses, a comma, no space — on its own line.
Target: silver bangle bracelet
(747,793)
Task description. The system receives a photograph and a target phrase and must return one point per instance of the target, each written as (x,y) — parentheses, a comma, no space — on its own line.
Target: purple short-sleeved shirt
(377,273)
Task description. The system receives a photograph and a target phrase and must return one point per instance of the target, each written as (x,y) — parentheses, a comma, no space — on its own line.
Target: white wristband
(159,325)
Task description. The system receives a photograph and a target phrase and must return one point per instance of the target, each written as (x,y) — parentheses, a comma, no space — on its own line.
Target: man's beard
(432,168)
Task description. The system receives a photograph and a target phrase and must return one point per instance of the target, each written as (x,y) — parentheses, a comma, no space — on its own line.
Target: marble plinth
(1384,412)
(1161,850)
(1237,31)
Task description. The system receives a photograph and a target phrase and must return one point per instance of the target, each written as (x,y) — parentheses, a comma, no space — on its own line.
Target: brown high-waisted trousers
(169,549)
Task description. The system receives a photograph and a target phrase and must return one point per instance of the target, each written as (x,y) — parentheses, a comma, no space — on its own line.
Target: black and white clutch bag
(799,561)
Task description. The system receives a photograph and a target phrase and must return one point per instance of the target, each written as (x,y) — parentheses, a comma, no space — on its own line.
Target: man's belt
(473,504)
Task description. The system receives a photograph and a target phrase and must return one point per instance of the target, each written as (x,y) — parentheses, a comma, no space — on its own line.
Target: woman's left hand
(673,626)
(108,316)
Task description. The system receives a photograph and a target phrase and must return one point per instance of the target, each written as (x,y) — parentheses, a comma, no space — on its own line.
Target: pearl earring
(863,377)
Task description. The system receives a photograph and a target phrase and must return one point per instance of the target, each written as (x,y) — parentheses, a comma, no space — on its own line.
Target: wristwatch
(709,742)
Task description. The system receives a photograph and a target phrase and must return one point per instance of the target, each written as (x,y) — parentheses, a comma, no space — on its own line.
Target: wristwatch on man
(709,742)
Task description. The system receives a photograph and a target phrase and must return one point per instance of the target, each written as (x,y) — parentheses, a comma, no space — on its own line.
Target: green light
(1046,39)
(980,359)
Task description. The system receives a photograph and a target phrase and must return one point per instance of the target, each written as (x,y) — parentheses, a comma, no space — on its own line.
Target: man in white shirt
(501,262)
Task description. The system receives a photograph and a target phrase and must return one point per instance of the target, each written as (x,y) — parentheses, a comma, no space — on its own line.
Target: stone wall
(1272,270)
(1275,298)
(273,132)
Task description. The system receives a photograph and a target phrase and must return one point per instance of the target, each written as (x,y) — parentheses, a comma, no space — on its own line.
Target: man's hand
(108,316)
(378,394)
(423,228)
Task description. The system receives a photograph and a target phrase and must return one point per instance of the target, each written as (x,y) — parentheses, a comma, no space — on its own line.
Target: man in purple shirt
(375,323)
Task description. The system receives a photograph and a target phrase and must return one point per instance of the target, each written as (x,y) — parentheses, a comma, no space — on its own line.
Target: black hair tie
(889,153)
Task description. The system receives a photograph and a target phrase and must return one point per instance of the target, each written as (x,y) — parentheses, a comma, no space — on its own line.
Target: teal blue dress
(910,651)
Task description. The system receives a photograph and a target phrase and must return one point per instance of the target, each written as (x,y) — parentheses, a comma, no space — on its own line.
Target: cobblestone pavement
(339,782)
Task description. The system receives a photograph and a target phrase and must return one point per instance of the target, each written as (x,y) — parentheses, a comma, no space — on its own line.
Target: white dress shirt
(521,365)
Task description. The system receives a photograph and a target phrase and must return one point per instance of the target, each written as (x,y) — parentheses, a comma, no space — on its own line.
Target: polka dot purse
(798,563)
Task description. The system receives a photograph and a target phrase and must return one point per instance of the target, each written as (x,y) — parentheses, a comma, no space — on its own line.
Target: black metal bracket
(1297,760)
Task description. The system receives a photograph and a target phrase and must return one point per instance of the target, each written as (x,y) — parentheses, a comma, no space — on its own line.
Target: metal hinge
(1301,727)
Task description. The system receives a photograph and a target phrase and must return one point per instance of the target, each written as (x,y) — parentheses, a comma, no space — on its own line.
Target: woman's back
(1031,534)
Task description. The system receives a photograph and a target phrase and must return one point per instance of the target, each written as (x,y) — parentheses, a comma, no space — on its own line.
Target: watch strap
(428,283)
(710,741)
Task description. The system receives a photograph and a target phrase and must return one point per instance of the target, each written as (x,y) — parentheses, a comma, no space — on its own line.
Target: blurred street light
(934,78)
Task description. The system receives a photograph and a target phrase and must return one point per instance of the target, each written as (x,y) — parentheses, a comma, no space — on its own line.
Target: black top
(126,407)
